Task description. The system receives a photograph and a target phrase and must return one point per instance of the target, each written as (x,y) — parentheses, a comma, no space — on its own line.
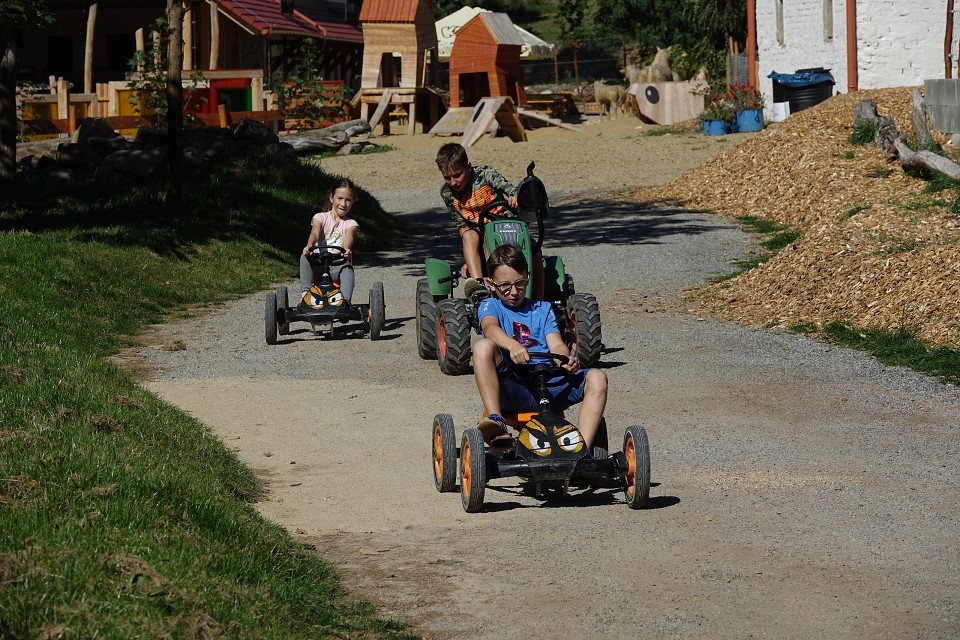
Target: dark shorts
(518,393)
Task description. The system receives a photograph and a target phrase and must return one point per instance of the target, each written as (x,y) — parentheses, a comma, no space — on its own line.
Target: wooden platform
(404,98)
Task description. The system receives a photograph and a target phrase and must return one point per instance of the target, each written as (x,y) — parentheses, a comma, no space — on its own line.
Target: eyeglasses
(505,287)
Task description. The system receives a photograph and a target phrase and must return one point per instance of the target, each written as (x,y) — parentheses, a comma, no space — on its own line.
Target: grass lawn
(122,516)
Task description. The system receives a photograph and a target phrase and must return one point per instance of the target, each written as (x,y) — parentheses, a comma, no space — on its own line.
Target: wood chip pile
(876,249)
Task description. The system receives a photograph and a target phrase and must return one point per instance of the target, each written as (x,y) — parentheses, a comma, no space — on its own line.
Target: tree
(175,101)
(718,20)
(31,15)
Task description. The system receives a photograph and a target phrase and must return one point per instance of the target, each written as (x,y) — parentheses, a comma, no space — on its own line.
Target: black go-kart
(548,450)
(325,306)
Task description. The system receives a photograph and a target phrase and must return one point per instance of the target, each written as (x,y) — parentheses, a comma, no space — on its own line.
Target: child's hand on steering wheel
(519,354)
(572,365)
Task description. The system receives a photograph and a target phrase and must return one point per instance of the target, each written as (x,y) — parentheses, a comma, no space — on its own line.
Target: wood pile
(876,249)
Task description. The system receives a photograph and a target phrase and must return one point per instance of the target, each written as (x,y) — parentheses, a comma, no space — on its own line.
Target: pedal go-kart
(444,322)
(549,450)
(326,305)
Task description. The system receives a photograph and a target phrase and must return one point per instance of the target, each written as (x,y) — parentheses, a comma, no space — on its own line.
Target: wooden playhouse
(485,61)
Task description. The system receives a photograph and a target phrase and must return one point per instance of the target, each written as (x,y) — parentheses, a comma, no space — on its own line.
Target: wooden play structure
(397,36)
(667,102)
(485,61)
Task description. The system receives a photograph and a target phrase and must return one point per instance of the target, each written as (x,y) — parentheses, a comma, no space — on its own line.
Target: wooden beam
(88,48)
(214,37)
(188,37)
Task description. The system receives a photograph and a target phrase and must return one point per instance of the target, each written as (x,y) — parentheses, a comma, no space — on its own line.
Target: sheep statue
(657,71)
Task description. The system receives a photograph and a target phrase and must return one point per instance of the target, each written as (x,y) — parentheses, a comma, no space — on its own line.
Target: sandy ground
(800,490)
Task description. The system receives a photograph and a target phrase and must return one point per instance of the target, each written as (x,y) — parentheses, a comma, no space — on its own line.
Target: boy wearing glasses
(466,191)
(512,326)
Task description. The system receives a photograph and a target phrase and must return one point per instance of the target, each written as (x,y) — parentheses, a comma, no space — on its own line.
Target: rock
(93,127)
(135,163)
(254,131)
(865,112)
(78,157)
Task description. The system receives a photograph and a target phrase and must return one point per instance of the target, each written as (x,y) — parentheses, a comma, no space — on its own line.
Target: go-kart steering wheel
(550,369)
(333,253)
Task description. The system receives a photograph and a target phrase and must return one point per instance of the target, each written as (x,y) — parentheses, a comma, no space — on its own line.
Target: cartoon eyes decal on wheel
(335,299)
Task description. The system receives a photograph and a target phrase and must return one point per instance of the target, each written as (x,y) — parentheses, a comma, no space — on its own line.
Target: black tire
(444,453)
(283,302)
(584,331)
(601,446)
(425,311)
(453,337)
(473,470)
(270,318)
(378,310)
(636,448)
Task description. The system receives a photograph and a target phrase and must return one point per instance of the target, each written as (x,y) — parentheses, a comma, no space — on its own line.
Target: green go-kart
(547,450)
(444,322)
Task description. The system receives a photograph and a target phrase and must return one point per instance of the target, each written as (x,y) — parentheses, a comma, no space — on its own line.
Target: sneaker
(492,426)
(471,286)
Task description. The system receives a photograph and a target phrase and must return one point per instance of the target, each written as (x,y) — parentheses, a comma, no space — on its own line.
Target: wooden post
(88,48)
(256,94)
(141,47)
(214,37)
(188,37)
(71,118)
(63,99)
(157,53)
(224,116)
(752,43)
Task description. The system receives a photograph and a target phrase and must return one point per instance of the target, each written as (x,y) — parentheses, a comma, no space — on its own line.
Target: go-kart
(548,450)
(325,305)
(444,322)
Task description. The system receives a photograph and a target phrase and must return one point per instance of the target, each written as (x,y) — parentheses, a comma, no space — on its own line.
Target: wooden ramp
(536,115)
(453,122)
(499,110)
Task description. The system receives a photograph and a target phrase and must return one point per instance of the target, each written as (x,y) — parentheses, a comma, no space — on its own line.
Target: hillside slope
(877,249)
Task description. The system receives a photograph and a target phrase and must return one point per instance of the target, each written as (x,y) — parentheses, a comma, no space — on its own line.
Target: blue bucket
(750,120)
(716,127)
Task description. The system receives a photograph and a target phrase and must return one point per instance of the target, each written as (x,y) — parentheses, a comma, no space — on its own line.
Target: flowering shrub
(745,97)
(720,107)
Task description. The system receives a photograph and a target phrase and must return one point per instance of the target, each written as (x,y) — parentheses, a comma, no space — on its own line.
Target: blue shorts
(518,392)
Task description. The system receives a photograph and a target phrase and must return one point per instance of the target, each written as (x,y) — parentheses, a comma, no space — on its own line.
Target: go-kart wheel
(378,312)
(601,446)
(583,328)
(270,318)
(425,311)
(444,453)
(283,302)
(473,470)
(637,479)
(453,337)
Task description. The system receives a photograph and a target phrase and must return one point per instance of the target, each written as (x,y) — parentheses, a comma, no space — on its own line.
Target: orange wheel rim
(442,337)
(630,451)
(465,456)
(437,453)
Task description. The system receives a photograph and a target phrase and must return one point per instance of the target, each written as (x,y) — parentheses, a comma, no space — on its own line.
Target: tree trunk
(8,106)
(175,102)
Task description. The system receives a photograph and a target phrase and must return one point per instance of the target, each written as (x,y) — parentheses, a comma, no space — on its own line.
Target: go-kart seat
(532,205)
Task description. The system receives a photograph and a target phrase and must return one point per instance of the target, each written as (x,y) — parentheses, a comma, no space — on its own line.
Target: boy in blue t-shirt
(513,325)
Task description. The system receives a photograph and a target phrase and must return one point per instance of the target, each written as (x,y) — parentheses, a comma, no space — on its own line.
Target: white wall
(900,42)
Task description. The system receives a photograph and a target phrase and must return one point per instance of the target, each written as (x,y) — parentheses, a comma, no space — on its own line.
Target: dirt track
(800,490)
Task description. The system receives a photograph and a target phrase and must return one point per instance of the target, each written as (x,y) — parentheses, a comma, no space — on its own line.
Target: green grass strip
(899,348)
(121,516)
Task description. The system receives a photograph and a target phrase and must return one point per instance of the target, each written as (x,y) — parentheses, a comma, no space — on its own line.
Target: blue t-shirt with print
(529,324)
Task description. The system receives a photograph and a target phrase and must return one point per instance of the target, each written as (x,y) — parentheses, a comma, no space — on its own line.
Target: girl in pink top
(333,228)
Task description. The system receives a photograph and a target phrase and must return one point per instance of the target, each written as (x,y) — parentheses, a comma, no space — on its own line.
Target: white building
(897,42)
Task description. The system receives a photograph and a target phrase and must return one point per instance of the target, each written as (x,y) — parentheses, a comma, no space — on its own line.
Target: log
(926,161)
(865,112)
(887,137)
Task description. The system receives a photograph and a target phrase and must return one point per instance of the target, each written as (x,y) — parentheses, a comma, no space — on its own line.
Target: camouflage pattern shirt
(486,186)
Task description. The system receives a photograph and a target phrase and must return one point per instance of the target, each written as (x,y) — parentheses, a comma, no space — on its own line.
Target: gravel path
(800,490)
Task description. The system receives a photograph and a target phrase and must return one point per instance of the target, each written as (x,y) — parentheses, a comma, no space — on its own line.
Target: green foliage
(123,517)
(30,14)
(863,133)
(25,92)
(778,238)
(302,96)
(899,348)
(148,81)
(852,211)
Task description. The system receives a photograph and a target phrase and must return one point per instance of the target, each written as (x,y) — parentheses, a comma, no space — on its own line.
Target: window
(60,55)
(119,51)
